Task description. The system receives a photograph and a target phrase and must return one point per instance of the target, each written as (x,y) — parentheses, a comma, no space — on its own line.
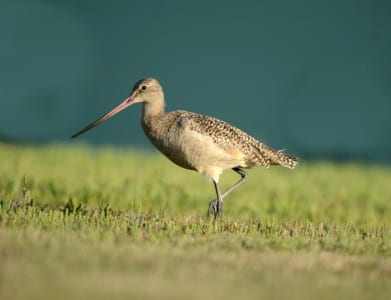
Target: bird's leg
(216,206)
(214,203)
(243,178)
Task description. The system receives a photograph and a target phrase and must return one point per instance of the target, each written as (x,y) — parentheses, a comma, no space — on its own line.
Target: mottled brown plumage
(198,142)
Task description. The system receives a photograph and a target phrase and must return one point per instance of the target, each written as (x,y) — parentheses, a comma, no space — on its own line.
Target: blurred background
(313,77)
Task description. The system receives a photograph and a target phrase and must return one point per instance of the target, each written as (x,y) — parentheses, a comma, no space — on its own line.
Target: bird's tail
(278,157)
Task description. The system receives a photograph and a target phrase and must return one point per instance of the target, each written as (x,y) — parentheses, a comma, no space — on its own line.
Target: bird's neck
(152,109)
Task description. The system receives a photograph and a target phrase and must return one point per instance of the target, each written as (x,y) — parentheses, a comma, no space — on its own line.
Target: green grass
(78,223)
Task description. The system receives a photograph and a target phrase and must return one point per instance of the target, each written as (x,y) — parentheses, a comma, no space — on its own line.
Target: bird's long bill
(127,102)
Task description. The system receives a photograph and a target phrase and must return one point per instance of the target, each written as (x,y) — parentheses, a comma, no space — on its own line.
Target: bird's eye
(144,87)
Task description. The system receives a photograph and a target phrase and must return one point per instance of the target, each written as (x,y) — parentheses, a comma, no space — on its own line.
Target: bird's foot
(215,208)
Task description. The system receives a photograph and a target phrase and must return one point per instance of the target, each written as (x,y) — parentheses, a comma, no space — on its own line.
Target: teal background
(313,77)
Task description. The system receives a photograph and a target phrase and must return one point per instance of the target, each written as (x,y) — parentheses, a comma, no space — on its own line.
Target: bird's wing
(236,141)
(224,135)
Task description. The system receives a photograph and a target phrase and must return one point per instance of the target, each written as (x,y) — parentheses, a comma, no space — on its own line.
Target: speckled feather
(229,137)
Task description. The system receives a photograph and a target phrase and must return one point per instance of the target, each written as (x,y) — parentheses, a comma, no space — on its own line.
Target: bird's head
(146,90)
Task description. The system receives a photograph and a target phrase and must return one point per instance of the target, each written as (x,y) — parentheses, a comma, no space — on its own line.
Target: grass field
(78,223)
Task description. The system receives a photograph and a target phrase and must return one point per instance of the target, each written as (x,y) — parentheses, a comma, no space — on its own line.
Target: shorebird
(197,142)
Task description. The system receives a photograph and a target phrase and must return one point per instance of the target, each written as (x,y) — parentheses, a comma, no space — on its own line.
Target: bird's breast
(168,138)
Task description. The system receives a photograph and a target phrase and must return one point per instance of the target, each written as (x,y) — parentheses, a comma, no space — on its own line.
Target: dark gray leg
(242,179)
(216,205)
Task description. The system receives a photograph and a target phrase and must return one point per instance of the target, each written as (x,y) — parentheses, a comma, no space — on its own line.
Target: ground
(83,223)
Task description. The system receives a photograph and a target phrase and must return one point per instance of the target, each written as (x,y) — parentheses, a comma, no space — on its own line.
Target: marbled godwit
(197,142)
